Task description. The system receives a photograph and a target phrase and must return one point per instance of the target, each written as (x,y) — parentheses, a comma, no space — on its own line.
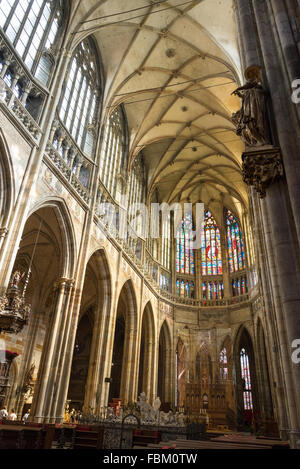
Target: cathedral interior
(115,108)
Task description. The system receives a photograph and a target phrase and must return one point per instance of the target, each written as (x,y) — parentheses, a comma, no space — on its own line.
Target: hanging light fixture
(14,312)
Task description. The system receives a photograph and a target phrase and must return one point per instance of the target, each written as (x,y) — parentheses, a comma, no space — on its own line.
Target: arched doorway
(147,355)
(124,372)
(164,387)
(246,381)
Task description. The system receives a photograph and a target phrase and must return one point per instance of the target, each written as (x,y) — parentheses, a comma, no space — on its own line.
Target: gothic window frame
(185,255)
(237,261)
(185,288)
(166,242)
(114,149)
(213,290)
(224,365)
(34,31)
(246,380)
(210,237)
(79,111)
(239,285)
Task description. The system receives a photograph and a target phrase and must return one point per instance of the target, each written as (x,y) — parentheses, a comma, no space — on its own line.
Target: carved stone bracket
(262,167)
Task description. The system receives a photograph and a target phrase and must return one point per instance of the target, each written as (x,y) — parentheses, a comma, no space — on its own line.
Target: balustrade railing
(72,163)
(29,93)
(15,106)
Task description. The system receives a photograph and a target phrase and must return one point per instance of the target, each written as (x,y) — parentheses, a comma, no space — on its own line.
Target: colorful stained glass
(178,287)
(211,247)
(182,288)
(185,288)
(235,244)
(246,377)
(223,364)
(213,290)
(240,286)
(185,255)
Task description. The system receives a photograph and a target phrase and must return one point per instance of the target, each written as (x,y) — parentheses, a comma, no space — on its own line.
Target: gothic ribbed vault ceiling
(174,66)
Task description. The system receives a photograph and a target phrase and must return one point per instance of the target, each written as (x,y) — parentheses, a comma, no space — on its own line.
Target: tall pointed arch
(114,150)
(147,354)
(164,390)
(7,188)
(246,378)
(185,254)
(211,247)
(80,101)
(235,243)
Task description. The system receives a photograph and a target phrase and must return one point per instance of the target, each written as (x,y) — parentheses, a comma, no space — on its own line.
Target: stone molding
(262,167)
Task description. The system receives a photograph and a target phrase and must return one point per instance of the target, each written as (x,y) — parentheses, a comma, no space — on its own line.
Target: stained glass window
(246,378)
(223,364)
(240,286)
(235,243)
(185,255)
(185,288)
(166,245)
(164,281)
(211,247)
(213,290)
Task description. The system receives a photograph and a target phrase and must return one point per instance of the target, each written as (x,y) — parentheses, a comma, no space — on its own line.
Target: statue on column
(251,120)
(16,279)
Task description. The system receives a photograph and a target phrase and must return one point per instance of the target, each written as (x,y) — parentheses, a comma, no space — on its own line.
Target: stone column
(27,358)
(3,234)
(130,363)
(96,378)
(51,399)
(285,115)
(289,47)
(247,33)
(278,386)
(45,387)
(286,270)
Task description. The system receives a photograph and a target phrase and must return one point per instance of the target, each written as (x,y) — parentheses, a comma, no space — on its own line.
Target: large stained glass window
(246,378)
(211,247)
(166,244)
(223,365)
(185,254)
(213,290)
(236,252)
(185,288)
(239,286)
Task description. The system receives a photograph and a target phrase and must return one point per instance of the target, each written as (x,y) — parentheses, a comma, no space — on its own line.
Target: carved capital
(3,232)
(261,168)
(67,283)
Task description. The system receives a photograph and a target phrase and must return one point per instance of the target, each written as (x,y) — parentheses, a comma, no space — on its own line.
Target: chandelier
(14,312)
